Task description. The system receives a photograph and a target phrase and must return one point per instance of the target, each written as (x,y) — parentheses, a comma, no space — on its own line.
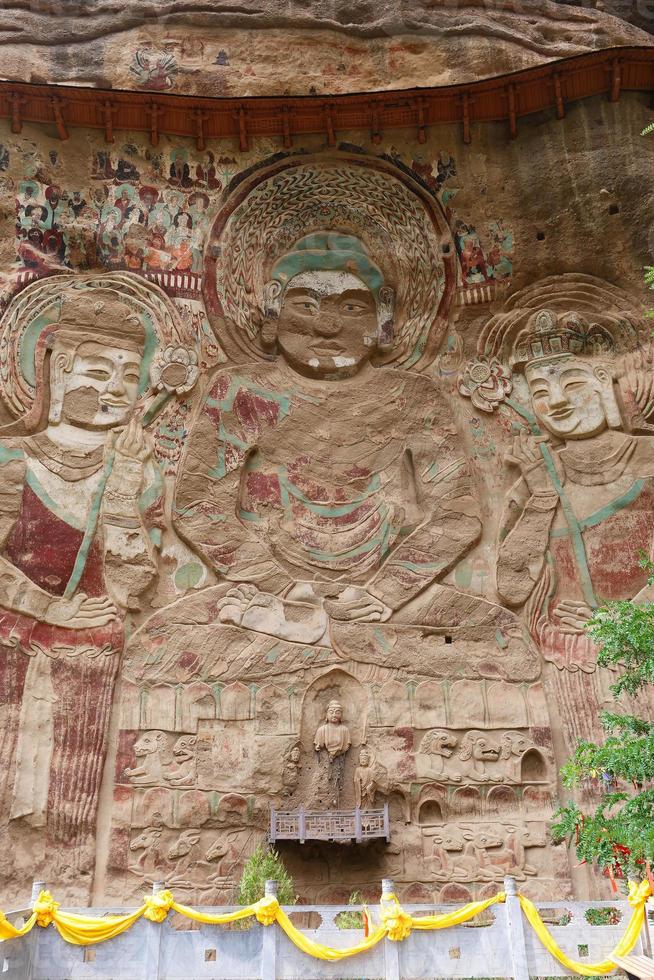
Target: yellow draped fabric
(396,924)
(638,895)
(7,931)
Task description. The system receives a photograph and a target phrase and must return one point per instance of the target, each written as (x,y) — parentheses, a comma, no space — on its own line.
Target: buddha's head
(565,363)
(95,365)
(327,309)
(334,712)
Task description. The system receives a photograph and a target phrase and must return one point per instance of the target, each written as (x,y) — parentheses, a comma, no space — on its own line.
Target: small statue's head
(95,364)
(364,757)
(567,364)
(334,712)
(294,754)
(326,307)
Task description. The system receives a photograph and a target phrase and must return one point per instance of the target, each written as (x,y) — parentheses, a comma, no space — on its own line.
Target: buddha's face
(100,388)
(327,323)
(569,396)
(364,758)
(335,714)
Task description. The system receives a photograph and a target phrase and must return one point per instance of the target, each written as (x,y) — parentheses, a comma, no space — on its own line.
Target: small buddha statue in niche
(334,737)
(364,780)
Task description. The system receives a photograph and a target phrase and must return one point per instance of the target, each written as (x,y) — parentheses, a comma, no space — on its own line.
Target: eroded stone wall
(314,464)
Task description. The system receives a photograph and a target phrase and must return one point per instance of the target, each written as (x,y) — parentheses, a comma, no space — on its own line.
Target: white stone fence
(499,943)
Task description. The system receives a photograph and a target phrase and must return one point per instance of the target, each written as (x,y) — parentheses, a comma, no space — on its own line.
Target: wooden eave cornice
(503,98)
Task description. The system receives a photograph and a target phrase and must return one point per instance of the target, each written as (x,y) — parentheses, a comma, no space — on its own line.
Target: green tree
(265,863)
(618,835)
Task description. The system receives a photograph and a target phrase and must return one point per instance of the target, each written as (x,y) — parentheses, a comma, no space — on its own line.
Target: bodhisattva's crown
(100,316)
(549,334)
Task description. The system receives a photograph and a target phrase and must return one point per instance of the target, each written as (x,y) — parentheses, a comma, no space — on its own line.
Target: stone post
(32,940)
(515,931)
(391,949)
(269,943)
(153,937)
(37,888)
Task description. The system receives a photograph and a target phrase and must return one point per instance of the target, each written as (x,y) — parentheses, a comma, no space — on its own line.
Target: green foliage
(648,129)
(618,835)
(625,633)
(263,864)
(351,920)
(603,917)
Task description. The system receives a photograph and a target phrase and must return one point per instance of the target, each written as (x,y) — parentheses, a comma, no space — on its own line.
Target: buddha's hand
(81,612)
(573,615)
(527,456)
(354,604)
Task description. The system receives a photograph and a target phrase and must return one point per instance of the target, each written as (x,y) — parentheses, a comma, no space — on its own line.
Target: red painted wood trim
(605,73)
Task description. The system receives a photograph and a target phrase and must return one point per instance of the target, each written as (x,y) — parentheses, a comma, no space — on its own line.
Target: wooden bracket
(513,116)
(200,119)
(421,106)
(108,112)
(243,141)
(57,110)
(465,117)
(16,103)
(329,126)
(286,127)
(155,111)
(375,132)
(558,96)
(616,80)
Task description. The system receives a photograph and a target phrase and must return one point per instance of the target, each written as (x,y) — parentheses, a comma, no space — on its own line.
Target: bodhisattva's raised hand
(527,456)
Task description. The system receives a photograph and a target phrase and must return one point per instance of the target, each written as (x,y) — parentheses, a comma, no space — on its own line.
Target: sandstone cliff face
(316,459)
(234,49)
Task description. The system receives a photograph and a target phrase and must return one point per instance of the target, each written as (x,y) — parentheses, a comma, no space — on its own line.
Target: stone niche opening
(314,789)
(533,767)
(430,813)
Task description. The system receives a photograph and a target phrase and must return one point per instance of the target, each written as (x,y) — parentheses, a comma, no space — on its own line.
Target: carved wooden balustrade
(330,825)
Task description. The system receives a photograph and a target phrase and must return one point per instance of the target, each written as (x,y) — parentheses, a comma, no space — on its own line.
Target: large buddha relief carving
(321,502)
(325,483)
(81,522)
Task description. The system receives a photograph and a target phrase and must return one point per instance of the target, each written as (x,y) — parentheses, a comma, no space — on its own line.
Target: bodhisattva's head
(571,397)
(566,362)
(334,712)
(96,362)
(326,307)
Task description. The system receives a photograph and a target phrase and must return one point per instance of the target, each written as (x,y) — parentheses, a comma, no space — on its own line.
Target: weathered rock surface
(224,48)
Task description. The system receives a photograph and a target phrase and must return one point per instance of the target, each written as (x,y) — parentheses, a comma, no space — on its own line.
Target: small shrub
(351,920)
(265,863)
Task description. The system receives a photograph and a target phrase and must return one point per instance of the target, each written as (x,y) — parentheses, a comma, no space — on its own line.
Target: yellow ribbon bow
(639,892)
(395,920)
(158,906)
(266,910)
(45,908)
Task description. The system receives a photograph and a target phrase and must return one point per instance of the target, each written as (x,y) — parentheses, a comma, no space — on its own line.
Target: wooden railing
(329,825)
